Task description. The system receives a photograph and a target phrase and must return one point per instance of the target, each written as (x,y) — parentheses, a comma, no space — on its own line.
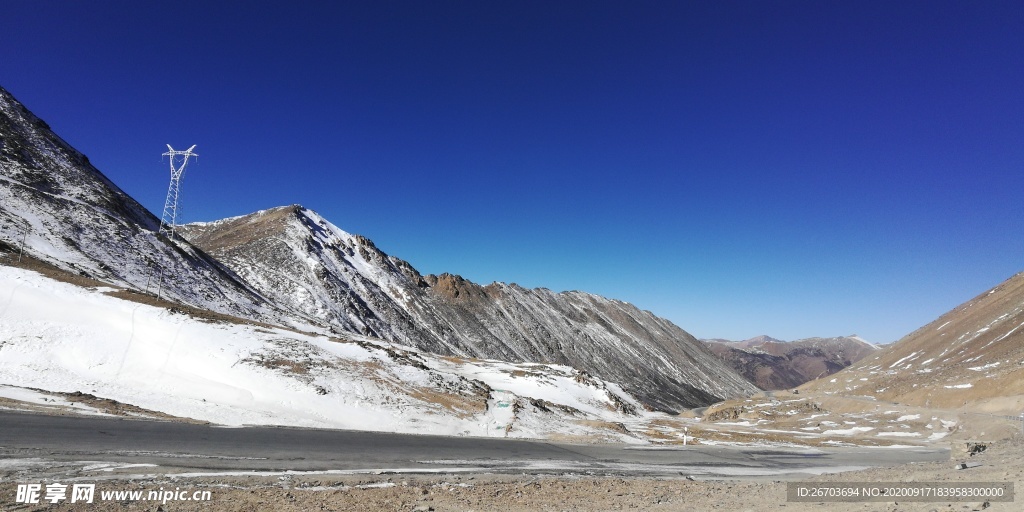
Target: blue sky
(786,168)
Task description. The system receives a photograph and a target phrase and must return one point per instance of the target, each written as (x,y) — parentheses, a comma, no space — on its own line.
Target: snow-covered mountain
(309,266)
(289,267)
(774,364)
(69,215)
(971,356)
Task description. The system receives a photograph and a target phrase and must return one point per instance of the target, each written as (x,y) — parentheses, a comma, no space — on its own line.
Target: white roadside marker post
(24,237)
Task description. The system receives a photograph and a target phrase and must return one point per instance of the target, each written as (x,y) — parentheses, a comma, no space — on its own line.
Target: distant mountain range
(773,364)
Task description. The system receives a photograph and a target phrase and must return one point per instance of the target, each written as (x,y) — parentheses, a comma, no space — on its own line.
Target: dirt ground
(1000,462)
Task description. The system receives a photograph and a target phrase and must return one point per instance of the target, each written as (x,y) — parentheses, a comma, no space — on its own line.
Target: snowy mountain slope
(314,269)
(60,337)
(72,216)
(304,272)
(773,364)
(971,356)
(311,267)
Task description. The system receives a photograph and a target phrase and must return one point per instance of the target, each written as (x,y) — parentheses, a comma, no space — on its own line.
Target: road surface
(189,448)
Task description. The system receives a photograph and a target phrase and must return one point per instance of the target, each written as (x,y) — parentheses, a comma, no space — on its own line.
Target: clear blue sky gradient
(788,168)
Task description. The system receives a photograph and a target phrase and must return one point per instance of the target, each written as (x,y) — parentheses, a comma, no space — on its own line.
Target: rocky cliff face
(309,266)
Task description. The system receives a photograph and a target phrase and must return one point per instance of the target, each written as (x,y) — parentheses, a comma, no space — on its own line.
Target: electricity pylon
(168,221)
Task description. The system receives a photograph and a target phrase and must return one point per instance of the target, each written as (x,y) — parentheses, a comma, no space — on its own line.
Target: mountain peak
(291,221)
(764,338)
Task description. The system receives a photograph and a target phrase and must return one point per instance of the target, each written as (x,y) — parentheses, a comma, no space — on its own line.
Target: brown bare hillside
(972,357)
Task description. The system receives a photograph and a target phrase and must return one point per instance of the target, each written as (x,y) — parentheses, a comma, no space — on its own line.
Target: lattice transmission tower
(169,220)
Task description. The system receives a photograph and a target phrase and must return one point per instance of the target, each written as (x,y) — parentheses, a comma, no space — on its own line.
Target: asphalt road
(180,447)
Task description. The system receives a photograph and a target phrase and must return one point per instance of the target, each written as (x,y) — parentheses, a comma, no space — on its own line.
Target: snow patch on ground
(847,431)
(32,396)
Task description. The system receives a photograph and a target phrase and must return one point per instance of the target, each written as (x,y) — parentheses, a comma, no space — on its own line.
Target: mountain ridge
(345,280)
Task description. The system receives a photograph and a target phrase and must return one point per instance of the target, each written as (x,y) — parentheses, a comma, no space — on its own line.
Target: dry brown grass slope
(971,357)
